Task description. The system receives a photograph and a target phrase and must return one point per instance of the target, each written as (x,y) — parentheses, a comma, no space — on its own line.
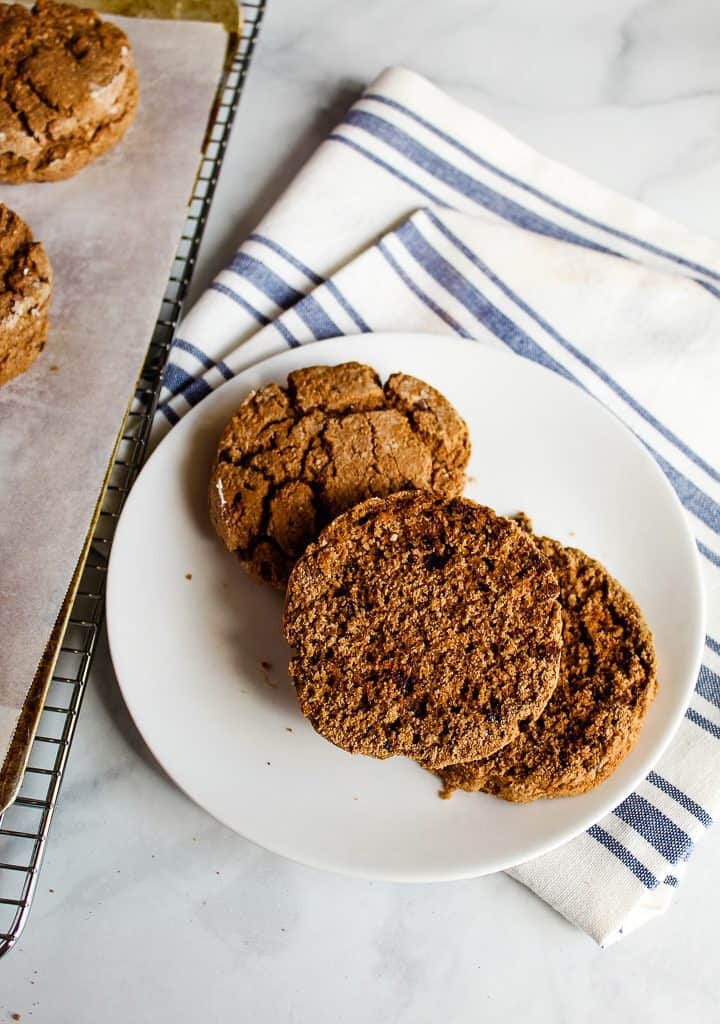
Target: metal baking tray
(55,697)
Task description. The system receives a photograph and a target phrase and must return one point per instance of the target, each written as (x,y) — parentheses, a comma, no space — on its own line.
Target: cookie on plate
(68,89)
(607,683)
(293,458)
(423,626)
(25,285)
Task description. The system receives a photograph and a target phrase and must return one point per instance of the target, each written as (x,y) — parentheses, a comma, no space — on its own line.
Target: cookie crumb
(15,1016)
(288,729)
(524,521)
(54,368)
(188,575)
(265,667)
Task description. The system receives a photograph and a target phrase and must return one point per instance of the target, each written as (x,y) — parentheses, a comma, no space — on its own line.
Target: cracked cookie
(607,683)
(293,458)
(25,285)
(68,90)
(423,626)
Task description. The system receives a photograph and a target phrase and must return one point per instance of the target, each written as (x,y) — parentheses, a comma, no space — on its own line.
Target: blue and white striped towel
(419,214)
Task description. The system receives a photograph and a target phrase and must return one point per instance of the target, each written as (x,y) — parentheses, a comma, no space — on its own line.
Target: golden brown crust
(293,458)
(68,90)
(607,683)
(424,626)
(25,286)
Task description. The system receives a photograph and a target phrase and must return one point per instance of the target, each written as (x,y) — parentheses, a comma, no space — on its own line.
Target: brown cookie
(68,89)
(25,285)
(293,458)
(424,626)
(607,683)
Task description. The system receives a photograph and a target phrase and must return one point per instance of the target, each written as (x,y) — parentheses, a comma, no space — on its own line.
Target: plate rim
(499,863)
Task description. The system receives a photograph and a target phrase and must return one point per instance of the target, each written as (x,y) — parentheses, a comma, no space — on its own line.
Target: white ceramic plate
(189,653)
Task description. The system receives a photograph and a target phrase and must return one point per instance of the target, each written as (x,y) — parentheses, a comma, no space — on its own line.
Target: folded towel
(419,214)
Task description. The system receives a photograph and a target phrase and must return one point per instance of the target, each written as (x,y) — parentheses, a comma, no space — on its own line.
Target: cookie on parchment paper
(25,286)
(293,458)
(607,683)
(423,626)
(68,89)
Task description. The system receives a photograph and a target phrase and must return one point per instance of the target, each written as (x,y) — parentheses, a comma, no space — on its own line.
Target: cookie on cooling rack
(423,626)
(293,458)
(25,286)
(68,89)
(607,683)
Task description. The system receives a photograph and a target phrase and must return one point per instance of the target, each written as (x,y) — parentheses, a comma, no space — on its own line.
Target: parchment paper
(111,234)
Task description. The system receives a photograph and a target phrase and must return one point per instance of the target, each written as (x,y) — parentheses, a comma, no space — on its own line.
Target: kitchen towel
(419,214)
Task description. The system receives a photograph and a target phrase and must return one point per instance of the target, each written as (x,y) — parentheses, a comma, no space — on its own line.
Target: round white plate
(189,653)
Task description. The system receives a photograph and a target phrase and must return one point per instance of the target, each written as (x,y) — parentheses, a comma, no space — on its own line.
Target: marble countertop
(147,909)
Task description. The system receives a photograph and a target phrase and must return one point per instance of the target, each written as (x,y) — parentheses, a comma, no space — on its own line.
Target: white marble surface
(147,910)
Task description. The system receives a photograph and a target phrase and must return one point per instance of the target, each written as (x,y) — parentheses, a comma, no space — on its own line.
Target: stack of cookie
(425,624)
(68,92)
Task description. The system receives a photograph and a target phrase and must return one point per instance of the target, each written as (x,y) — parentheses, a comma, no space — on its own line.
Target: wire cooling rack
(25,825)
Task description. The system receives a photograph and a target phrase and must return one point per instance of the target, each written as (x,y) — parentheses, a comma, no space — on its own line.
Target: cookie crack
(40,95)
(22,118)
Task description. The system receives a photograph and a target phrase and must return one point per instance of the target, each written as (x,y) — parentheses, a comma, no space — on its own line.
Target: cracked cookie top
(423,626)
(607,683)
(293,458)
(68,89)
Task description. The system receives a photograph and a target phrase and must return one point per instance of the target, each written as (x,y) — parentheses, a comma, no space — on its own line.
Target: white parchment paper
(111,234)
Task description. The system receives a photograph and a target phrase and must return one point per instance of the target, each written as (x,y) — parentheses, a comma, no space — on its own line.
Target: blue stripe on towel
(624,856)
(713,644)
(680,798)
(573,350)
(655,827)
(708,553)
(407,280)
(240,301)
(708,685)
(312,276)
(704,723)
(464,183)
(169,413)
(671,880)
(196,391)
(265,280)
(335,137)
(202,357)
(701,504)
(287,335)
(546,198)
(342,301)
(474,301)
(311,313)
(175,379)
(287,256)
